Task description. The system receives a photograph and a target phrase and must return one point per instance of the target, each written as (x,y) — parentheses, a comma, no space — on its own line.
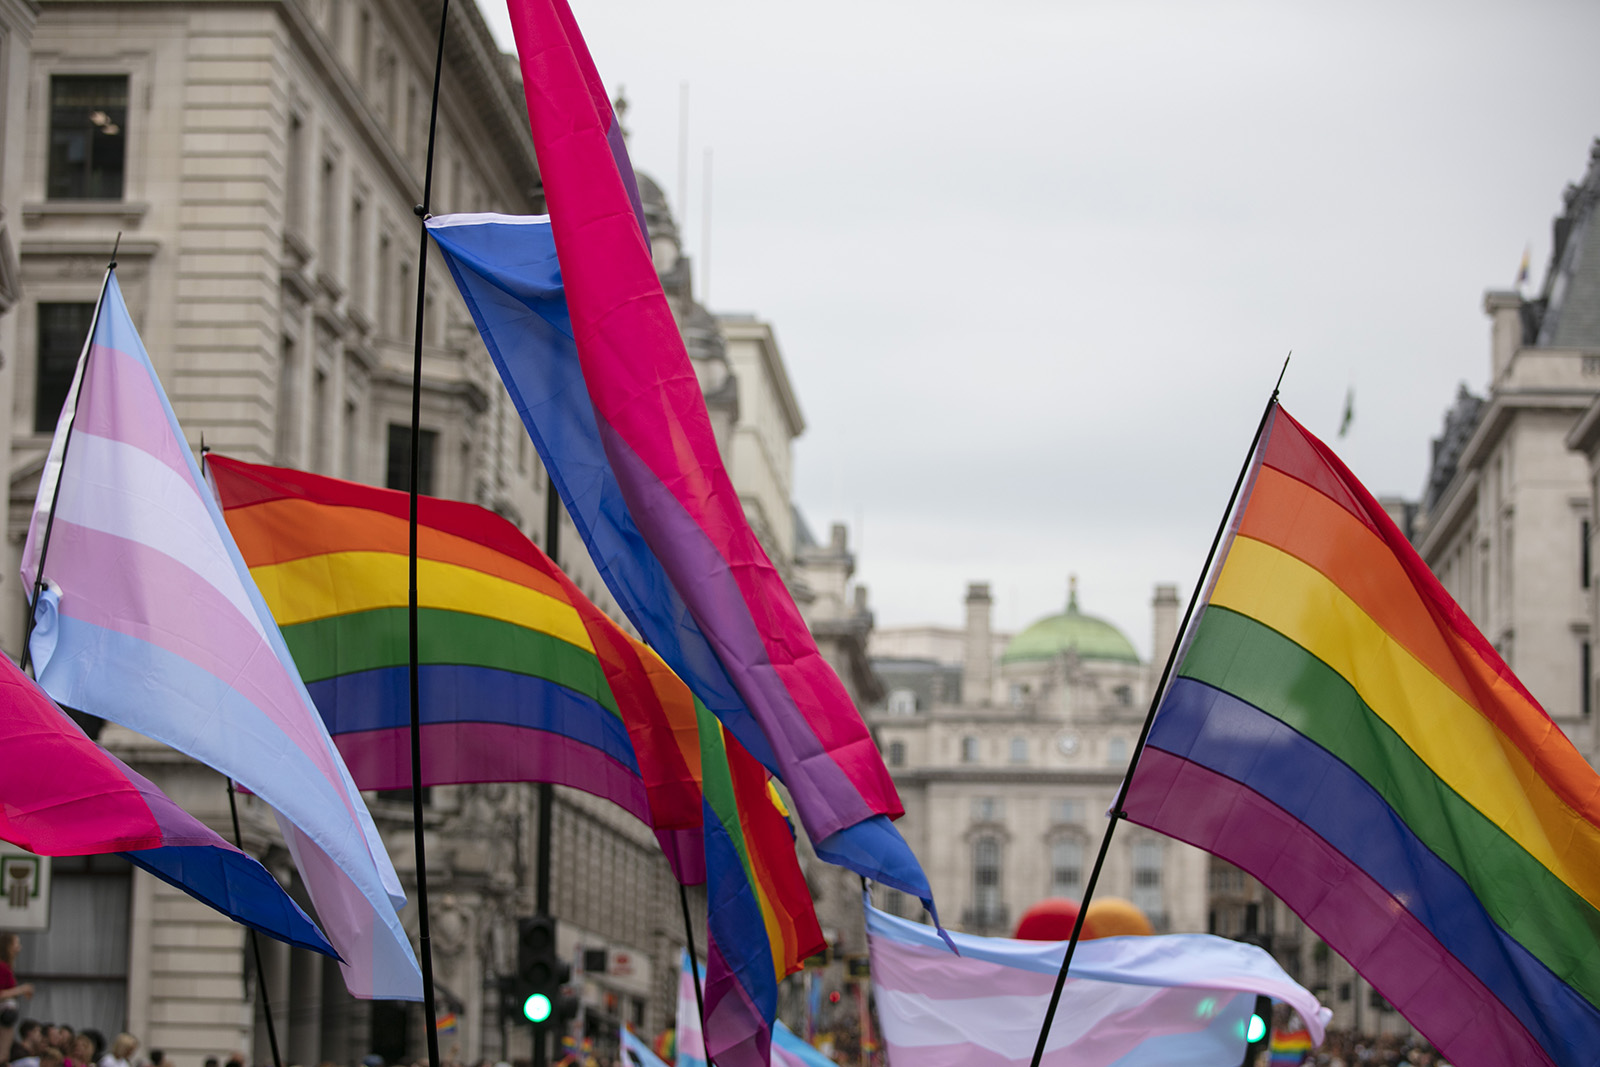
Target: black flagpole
(255,942)
(694,967)
(66,443)
(1117,814)
(416,432)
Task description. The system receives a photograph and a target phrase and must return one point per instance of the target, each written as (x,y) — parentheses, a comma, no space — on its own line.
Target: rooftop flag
(1339,729)
(1177,1000)
(506,268)
(152,621)
(522,678)
(64,795)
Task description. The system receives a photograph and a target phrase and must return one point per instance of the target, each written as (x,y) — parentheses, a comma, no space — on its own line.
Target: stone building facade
(1007,764)
(260,162)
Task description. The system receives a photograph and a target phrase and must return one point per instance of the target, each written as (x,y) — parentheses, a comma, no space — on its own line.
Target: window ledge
(129,210)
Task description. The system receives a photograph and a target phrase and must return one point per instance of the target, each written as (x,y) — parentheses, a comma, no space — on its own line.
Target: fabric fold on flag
(158,627)
(1337,720)
(507,270)
(63,795)
(1171,1000)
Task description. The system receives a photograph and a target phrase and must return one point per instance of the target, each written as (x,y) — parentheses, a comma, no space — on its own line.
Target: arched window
(1066,868)
(1147,897)
(986,879)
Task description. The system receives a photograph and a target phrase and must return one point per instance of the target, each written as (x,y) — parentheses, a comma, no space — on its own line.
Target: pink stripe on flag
(124,398)
(146,594)
(1338,900)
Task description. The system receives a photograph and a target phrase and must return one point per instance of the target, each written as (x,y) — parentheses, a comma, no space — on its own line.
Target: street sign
(24,889)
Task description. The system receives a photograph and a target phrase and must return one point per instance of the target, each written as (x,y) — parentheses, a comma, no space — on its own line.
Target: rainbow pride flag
(521,678)
(1339,729)
(1289,1048)
(761,924)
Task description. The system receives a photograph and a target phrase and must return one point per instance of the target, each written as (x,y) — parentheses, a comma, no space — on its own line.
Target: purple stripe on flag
(736,1032)
(826,796)
(490,752)
(124,397)
(1338,900)
(146,594)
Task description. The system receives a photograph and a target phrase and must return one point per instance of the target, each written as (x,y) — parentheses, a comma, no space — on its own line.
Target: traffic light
(536,986)
(1257,1029)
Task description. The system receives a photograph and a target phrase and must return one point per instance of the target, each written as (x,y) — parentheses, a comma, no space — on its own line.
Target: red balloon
(1051,919)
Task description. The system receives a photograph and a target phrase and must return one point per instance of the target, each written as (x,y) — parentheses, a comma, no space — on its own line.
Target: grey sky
(1034,266)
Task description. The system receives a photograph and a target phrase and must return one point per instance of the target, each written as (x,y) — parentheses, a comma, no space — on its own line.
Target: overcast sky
(1034,266)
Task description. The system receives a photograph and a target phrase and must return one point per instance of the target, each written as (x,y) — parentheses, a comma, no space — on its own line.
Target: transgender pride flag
(151,620)
(1179,1000)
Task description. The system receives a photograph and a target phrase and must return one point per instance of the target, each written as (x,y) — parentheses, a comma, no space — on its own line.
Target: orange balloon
(1115,917)
(1051,919)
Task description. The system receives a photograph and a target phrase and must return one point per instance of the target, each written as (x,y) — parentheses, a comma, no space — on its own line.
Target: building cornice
(998,776)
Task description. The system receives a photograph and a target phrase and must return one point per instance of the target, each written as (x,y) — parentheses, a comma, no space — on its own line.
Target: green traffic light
(536,1009)
(1257,1030)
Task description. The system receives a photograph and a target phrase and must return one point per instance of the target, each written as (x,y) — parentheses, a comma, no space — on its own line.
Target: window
(294,165)
(1117,751)
(902,702)
(399,476)
(986,877)
(1583,554)
(327,194)
(1019,750)
(1124,695)
(1147,878)
(358,247)
(79,967)
(969,750)
(1585,681)
(897,753)
(88,136)
(63,328)
(988,809)
(1066,868)
(1066,810)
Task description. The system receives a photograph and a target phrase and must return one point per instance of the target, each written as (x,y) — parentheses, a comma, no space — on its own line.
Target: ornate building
(261,162)
(1007,763)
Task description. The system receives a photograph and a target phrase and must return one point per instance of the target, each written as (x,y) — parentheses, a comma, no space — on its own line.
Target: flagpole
(66,443)
(255,942)
(423,936)
(694,967)
(1117,814)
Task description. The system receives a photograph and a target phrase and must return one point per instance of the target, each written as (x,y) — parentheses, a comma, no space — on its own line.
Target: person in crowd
(10,988)
(50,1056)
(28,1041)
(59,1037)
(80,1053)
(120,1054)
(158,1058)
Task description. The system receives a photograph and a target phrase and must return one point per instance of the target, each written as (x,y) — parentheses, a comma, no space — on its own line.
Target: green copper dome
(1049,637)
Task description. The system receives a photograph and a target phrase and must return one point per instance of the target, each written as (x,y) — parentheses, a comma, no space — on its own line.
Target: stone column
(978,661)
